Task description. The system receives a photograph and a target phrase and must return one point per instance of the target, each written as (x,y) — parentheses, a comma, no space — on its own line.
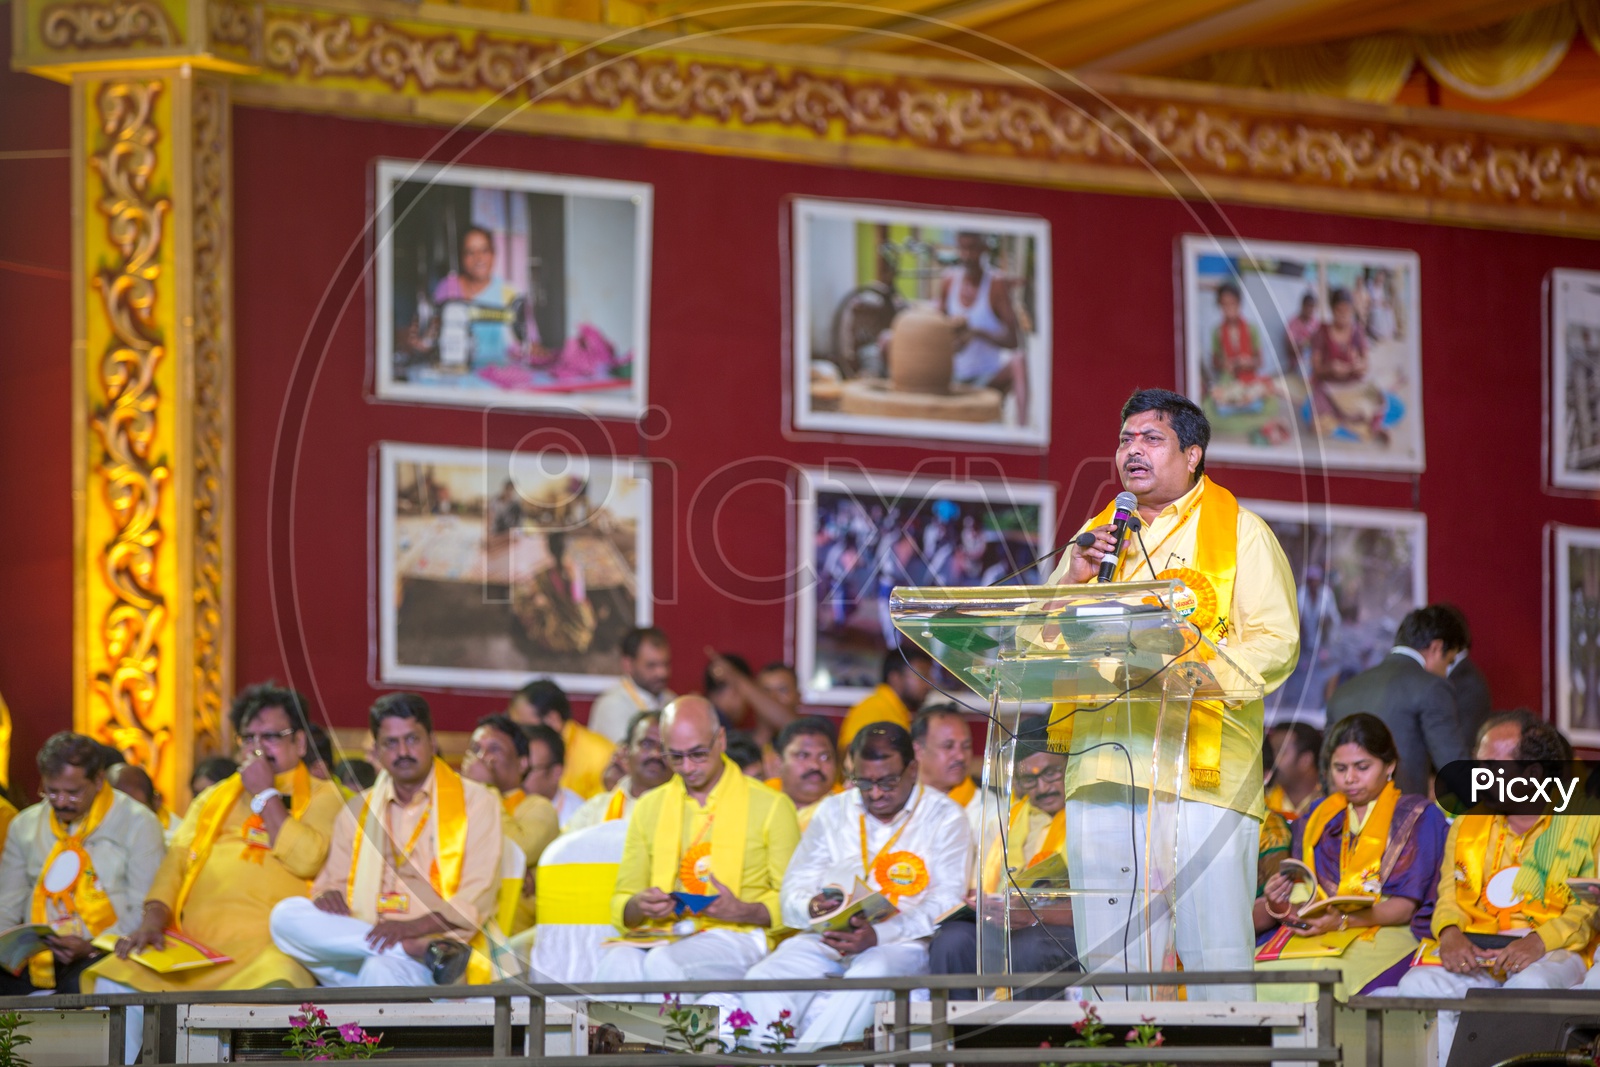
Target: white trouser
(334,948)
(133,1036)
(709,956)
(823,1019)
(1216,880)
(1554,970)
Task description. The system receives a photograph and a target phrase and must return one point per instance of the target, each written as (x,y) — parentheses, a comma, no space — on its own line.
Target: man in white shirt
(646,666)
(916,847)
(547,758)
(645,765)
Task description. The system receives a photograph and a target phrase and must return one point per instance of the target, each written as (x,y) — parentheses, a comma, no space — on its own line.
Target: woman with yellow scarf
(1366,840)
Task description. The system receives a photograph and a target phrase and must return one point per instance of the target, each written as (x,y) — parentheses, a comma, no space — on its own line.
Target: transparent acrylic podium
(1109,676)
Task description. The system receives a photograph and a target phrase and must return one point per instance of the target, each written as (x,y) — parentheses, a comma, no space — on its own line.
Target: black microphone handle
(1108,566)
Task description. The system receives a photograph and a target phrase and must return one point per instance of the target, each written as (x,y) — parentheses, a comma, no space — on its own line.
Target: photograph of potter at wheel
(921,323)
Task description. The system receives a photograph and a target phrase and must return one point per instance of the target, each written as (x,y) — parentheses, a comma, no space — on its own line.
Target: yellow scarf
(617,805)
(1476,835)
(447,822)
(214,813)
(511,800)
(1205,597)
(84,898)
(963,793)
(724,852)
(1360,864)
(1017,843)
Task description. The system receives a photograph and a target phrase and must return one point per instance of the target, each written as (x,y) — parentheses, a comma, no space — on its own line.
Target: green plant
(311,1038)
(1093,1033)
(685,1024)
(12,1038)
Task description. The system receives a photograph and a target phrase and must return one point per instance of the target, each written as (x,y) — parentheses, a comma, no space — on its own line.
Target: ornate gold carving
(1125,135)
(130,476)
(209,412)
(119,24)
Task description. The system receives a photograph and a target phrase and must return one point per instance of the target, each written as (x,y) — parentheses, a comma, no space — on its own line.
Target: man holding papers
(702,864)
(79,862)
(413,871)
(899,837)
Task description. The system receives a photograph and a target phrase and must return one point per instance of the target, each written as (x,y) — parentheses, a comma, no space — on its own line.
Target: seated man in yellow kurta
(497,756)
(587,754)
(248,842)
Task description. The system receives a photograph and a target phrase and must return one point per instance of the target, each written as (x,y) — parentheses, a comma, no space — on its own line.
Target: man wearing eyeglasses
(1041,931)
(903,839)
(644,765)
(413,871)
(702,864)
(249,841)
(79,861)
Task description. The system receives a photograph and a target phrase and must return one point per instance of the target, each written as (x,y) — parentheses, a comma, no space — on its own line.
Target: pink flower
(1131,1035)
(1160,1039)
(1044,1044)
(352,1033)
(298,1022)
(784,1014)
(1147,1019)
(1080,1024)
(740,1019)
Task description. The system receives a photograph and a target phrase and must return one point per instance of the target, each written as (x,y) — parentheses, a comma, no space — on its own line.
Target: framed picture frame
(1358,572)
(1577,602)
(858,267)
(1304,355)
(1572,342)
(861,533)
(510,289)
(496,567)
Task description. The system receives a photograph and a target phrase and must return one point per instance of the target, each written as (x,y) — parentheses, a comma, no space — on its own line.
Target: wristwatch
(259,801)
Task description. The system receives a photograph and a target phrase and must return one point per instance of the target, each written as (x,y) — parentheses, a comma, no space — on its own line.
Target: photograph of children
(921,323)
(1577,595)
(1305,355)
(860,535)
(1359,571)
(498,288)
(1574,339)
(496,566)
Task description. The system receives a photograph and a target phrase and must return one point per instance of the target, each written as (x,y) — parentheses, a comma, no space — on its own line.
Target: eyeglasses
(1053,776)
(251,740)
(66,796)
(406,741)
(694,755)
(541,768)
(879,785)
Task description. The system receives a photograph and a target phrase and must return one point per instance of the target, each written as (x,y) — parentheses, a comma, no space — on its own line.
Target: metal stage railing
(1550,1002)
(538,995)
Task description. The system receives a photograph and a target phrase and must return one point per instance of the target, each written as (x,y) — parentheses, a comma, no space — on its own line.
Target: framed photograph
(500,288)
(861,534)
(929,324)
(1305,356)
(1577,596)
(494,567)
(1359,571)
(1573,338)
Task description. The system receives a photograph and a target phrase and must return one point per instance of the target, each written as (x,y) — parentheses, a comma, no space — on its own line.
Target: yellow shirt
(1569,930)
(1264,641)
(8,811)
(771,834)
(883,704)
(234,893)
(588,756)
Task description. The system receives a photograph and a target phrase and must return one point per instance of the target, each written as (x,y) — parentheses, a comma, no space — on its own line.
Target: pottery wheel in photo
(875,396)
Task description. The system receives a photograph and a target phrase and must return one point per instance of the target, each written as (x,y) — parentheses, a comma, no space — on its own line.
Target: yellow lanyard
(404,857)
(867,865)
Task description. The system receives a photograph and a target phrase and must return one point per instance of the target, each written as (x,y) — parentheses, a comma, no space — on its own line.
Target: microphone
(1125,503)
(1083,540)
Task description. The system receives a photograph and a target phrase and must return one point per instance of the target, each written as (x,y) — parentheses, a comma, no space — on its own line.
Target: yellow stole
(214,814)
(511,800)
(447,823)
(1476,835)
(616,806)
(1360,863)
(963,793)
(1209,596)
(84,898)
(725,855)
(1017,843)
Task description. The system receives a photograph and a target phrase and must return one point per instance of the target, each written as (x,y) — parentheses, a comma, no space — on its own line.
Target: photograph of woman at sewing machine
(509,289)
(1305,355)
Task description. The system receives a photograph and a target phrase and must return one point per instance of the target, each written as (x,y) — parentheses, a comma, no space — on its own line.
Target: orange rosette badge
(900,874)
(1195,599)
(257,843)
(695,869)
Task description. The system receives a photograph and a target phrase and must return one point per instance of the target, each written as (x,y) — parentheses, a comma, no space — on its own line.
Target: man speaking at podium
(1242,597)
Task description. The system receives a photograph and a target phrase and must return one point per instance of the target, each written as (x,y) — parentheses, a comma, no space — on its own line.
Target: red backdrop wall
(306,429)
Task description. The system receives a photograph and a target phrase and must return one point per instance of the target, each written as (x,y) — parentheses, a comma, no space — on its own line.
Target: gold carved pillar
(152,355)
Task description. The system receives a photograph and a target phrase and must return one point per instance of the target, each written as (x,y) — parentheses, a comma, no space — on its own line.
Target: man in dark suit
(1468,685)
(1408,691)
